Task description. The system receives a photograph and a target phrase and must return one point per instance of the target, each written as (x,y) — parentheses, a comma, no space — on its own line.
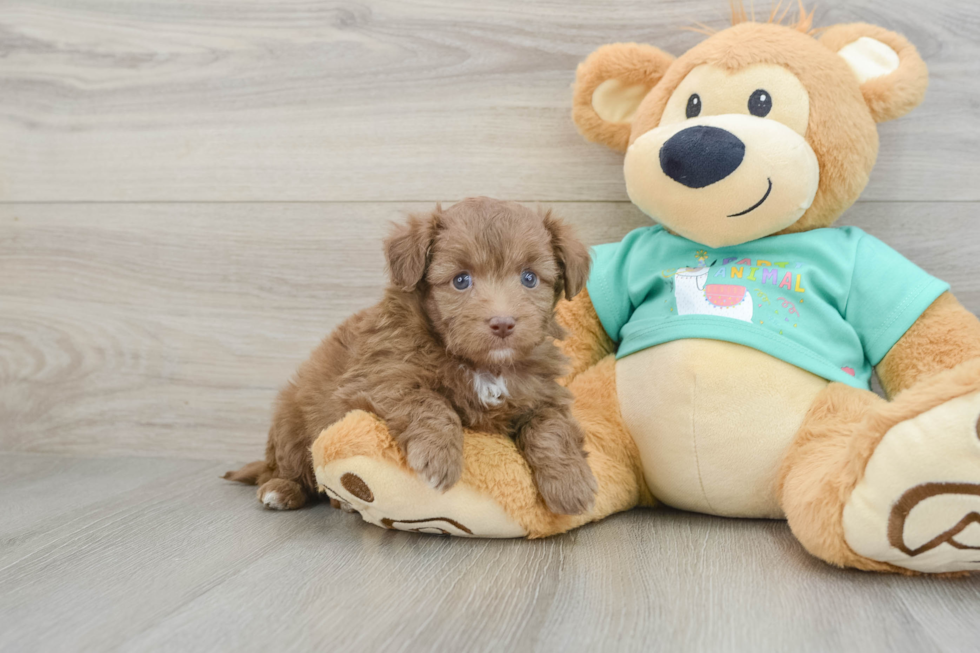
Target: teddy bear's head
(760,129)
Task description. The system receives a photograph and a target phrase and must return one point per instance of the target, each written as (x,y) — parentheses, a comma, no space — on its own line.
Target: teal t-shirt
(831,301)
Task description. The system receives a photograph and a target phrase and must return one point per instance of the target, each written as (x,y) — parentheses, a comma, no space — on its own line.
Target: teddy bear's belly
(712,421)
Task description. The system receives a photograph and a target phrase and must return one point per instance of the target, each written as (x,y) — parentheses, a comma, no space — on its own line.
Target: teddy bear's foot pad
(918,505)
(386,495)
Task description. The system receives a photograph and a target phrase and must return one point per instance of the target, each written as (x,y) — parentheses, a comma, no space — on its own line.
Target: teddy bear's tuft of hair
(778,14)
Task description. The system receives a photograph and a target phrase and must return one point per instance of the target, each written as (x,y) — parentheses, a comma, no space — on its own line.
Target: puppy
(463,338)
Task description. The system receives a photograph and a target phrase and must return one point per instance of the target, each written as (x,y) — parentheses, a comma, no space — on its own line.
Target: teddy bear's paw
(389,496)
(918,505)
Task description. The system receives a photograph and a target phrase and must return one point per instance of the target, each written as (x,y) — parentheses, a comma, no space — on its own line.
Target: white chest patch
(489,389)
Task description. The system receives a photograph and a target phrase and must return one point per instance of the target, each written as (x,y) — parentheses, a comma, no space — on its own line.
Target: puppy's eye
(462,281)
(694,106)
(529,279)
(760,103)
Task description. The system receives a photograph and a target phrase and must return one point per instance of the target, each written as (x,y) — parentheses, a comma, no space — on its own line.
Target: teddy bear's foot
(362,470)
(386,495)
(918,504)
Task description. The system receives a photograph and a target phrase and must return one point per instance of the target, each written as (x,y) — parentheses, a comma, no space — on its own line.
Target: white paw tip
(272,500)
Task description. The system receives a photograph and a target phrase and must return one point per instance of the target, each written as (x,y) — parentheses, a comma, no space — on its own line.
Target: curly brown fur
(431,359)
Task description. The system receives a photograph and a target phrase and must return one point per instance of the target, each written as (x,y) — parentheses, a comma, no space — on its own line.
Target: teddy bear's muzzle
(722,180)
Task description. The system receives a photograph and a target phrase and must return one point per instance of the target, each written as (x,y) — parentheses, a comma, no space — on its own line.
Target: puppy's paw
(568,488)
(281,494)
(439,463)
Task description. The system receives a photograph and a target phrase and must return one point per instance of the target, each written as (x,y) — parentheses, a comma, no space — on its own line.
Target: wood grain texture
(243,100)
(158,555)
(167,329)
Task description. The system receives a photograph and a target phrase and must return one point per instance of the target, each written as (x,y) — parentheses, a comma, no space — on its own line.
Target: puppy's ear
(572,256)
(407,249)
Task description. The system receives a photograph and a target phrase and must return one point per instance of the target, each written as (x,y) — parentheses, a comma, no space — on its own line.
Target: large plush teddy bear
(721,359)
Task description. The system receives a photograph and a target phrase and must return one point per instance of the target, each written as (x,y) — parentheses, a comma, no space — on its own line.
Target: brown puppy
(464,337)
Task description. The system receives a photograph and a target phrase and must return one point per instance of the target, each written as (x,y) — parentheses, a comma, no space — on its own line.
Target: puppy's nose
(502,326)
(701,155)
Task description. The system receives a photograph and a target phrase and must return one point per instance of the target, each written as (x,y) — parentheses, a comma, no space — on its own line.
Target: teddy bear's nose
(701,155)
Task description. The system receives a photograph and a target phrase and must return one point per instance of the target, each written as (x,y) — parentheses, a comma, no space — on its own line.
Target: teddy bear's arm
(944,336)
(586,342)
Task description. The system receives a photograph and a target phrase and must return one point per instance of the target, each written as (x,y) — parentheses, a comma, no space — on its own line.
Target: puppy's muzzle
(502,326)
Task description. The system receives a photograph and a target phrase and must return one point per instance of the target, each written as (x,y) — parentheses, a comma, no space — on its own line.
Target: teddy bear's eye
(760,103)
(693,105)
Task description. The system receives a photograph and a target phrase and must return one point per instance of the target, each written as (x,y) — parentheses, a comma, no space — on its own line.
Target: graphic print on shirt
(814,300)
(695,296)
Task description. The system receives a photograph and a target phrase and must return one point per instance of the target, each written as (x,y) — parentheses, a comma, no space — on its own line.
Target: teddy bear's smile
(757,204)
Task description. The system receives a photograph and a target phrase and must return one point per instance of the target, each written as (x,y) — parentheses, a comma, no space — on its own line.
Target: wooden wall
(193,193)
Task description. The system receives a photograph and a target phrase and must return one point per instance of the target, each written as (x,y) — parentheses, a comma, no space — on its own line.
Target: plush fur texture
(833,447)
(427,358)
(632,64)
(820,471)
(943,337)
(586,342)
(895,94)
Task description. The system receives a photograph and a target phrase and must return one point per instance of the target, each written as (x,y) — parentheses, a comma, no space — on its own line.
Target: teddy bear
(720,358)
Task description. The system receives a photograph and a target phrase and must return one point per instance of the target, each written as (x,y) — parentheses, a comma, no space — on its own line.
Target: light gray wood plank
(166,330)
(49,497)
(188,562)
(387,99)
(130,559)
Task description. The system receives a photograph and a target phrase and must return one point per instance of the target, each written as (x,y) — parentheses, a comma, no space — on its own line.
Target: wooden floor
(193,193)
(162,555)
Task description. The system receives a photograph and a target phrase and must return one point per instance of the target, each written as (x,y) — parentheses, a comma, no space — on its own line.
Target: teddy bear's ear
(609,86)
(892,75)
